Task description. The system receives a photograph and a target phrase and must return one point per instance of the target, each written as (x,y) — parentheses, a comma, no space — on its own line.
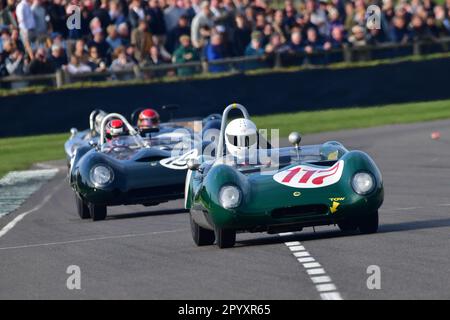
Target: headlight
(101,175)
(230,197)
(363,183)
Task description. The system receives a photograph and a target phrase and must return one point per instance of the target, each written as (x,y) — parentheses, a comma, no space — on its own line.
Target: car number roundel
(303,176)
(179,162)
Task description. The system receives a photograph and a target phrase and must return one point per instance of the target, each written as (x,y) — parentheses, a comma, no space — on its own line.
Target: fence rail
(240,64)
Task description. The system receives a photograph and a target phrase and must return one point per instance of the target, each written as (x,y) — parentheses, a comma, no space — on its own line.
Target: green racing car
(246,188)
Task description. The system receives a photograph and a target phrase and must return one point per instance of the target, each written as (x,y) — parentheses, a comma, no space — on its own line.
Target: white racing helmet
(241,138)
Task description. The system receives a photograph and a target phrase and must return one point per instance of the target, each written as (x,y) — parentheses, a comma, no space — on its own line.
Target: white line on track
(324,284)
(17,219)
(91,239)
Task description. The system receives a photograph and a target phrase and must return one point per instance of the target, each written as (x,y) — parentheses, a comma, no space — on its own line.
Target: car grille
(306,210)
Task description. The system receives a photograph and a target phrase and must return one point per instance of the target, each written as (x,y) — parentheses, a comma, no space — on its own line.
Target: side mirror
(73,132)
(295,138)
(193,164)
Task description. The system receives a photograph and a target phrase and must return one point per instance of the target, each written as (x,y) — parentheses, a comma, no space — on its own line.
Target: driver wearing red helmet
(115,128)
(148,119)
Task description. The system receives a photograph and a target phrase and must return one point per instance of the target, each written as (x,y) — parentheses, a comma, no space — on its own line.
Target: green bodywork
(262,196)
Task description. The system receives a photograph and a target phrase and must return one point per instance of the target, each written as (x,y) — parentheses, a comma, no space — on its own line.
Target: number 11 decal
(310,177)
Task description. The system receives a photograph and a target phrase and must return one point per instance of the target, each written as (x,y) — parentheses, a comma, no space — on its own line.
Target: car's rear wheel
(98,213)
(369,224)
(225,238)
(347,225)
(82,207)
(200,235)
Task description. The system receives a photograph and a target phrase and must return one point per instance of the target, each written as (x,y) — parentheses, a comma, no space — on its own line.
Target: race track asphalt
(148,253)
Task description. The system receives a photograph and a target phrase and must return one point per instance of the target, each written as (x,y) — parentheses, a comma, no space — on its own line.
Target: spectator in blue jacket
(215,50)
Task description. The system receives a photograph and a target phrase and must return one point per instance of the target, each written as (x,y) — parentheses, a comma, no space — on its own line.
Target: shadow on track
(321,235)
(146,214)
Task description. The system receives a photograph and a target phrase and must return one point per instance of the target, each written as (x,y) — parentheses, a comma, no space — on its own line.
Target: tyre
(347,225)
(225,238)
(98,213)
(82,207)
(200,235)
(369,224)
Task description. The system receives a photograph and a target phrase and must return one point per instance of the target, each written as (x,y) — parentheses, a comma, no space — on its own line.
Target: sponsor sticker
(304,176)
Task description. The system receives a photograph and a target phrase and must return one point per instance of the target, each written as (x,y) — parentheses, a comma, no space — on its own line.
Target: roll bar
(232,106)
(92,118)
(132,131)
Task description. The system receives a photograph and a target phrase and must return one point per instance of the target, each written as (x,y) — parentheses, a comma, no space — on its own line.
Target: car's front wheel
(97,212)
(225,238)
(82,207)
(369,224)
(200,235)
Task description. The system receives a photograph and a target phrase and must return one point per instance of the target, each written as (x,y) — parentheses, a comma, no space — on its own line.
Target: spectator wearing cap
(183,28)
(202,19)
(216,50)
(141,38)
(185,53)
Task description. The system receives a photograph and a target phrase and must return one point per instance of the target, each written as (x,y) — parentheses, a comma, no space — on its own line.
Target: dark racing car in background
(174,128)
(130,169)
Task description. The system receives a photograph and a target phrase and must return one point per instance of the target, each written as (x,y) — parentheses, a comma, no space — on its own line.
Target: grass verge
(353,118)
(21,153)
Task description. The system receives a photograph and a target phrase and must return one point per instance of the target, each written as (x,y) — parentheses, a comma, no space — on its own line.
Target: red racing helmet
(148,118)
(115,128)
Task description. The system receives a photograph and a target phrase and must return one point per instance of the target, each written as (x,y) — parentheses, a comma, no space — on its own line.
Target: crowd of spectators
(119,34)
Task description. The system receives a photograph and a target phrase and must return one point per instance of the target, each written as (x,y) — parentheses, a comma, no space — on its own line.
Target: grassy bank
(21,153)
(352,118)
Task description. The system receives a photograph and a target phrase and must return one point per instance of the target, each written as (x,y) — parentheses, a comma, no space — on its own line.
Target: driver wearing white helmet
(241,140)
